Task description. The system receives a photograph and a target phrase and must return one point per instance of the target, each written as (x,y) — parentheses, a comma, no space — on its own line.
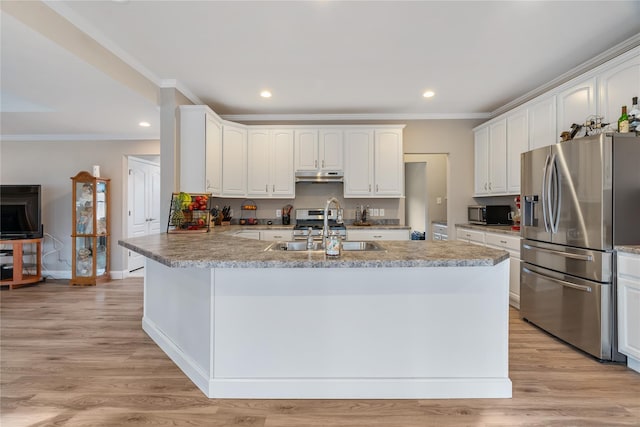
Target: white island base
(366,333)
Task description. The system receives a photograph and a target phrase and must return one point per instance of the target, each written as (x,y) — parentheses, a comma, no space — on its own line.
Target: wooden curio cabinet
(90,233)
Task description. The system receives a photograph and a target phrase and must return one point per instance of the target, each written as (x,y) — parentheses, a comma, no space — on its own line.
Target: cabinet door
(331,149)
(388,163)
(470,236)
(542,123)
(258,156)
(481,161)
(373,234)
(213,156)
(282,175)
(498,157)
(629,305)
(575,104)
(358,170)
(306,150)
(617,85)
(517,143)
(234,161)
(192,150)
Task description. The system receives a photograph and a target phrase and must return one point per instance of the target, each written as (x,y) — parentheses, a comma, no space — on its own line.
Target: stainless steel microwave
(489,215)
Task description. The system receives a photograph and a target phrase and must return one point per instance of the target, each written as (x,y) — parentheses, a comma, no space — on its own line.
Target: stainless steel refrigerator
(580,199)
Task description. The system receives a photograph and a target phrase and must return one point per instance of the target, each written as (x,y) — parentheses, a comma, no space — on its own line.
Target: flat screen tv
(20,212)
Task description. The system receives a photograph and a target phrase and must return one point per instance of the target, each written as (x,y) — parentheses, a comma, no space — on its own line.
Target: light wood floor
(78,357)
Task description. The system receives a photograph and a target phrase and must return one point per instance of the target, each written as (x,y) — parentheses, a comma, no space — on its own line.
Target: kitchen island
(418,320)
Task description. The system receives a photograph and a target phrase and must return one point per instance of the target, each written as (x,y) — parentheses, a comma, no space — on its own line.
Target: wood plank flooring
(75,356)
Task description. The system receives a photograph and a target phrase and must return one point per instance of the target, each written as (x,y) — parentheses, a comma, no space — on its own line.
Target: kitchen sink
(301,245)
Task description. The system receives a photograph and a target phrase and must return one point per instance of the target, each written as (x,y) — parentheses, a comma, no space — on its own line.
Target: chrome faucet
(310,238)
(325,228)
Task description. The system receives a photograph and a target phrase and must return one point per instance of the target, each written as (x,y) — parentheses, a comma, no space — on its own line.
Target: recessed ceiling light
(265,94)
(144,124)
(428,94)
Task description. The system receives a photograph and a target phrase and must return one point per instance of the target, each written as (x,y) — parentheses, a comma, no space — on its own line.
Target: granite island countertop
(220,248)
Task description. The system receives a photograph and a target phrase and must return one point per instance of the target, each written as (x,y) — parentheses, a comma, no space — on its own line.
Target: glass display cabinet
(90,232)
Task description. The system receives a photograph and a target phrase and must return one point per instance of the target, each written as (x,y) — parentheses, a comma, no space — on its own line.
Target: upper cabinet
(234,161)
(491,159)
(373,162)
(318,149)
(575,104)
(517,143)
(270,163)
(542,123)
(200,150)
(616,86)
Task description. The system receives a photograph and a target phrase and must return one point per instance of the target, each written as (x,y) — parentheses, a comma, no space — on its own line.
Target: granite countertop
(503,229)
(441,222)
(629,249)
(220,248)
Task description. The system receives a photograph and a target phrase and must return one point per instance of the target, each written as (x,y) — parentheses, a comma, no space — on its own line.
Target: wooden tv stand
(18,253)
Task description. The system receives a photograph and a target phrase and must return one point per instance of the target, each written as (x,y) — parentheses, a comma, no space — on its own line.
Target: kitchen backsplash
(309,195)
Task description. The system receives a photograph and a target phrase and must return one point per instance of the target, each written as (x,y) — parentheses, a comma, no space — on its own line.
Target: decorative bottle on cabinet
(90,230)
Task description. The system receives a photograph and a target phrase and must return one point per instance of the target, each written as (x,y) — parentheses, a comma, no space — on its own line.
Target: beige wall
(52,164)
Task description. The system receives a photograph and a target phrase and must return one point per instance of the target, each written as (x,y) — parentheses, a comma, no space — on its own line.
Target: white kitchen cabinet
(617,84)
(374,166)
(318,149)
(517,143)
(439,232)
(234,161)
(200,150)
(470,236)
(377,234)
(542,122)
(574,104)
(491,159)
(276,235)
(629,308)
(481,161)
(270,163)
(512,245)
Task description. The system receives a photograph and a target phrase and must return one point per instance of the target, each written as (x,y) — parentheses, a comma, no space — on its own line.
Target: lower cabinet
(629,308)
(377,234)
(248,234)
(508,243)
(439,232)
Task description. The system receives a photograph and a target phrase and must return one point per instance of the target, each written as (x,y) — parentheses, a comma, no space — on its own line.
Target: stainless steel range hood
(319,176)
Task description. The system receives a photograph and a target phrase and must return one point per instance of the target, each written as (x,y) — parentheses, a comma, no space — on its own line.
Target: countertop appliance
(489,215)
(580,199)
(314,218)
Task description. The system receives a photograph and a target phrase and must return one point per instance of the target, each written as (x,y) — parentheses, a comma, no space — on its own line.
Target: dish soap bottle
(333,244)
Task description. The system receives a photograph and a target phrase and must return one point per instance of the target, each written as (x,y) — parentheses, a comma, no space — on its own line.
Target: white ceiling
(333,59)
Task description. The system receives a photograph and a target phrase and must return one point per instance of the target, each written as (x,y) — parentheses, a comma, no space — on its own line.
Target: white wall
(52,164)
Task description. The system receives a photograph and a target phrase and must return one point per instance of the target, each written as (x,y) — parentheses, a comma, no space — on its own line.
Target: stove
(314,219)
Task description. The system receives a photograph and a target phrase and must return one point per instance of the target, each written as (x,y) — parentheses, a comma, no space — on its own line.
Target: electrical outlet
(381,212)
(439,200)
(278,213)
(375,212)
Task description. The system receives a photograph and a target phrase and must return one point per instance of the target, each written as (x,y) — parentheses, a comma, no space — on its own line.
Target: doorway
(425,191)
(143,203)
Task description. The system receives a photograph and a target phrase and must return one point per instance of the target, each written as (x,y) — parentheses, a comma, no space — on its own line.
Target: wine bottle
(634,116)
(623,121)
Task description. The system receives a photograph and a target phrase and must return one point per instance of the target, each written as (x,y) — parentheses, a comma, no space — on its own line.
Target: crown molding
(609,54)
(352,117)
(77,137)
(173,83)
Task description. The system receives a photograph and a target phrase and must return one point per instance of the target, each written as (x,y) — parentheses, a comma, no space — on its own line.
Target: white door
(143,204)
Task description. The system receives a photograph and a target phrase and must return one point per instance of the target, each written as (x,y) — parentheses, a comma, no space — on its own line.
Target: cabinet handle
(323,163)
(485,185)
(315,163)
(273,188)
(504,242)
(369,188)
(489,186)
(377,188)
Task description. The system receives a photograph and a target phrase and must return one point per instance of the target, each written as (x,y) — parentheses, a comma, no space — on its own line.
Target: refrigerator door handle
(554,177)
(564,254)
(545,169)
(558,281)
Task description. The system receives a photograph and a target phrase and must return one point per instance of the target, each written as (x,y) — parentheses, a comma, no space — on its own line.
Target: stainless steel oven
(311,221)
